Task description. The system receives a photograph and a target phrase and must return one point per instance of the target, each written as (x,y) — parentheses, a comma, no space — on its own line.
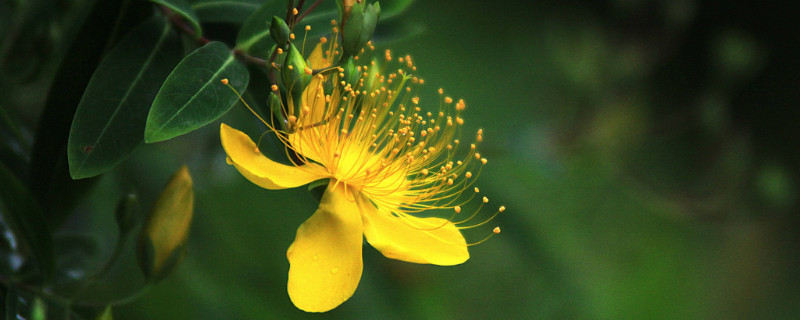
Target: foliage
(124,73)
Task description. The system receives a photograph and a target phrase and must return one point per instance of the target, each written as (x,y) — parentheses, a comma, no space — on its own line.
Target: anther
(224,81)
(484,161)
(496,230)
(502,208)
(485,200)
(477,190)
(308,27)
(468,175)
(457,209)
(294,11)
(274,87)
(448,100)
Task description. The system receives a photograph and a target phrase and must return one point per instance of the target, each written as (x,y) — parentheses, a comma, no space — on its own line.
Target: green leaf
(38,310)
(11,303)
(24,217)
(235,12)
(49,177)
(183,8)
(110,119)
(106,314)
(193,96)
(253,37)
(393,8)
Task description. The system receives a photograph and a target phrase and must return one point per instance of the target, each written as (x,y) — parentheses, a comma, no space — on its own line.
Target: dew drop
(334,270)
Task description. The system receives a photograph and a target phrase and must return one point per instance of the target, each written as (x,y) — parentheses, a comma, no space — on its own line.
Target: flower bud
(359,26)
(279,31)
(127,213)
(162,242)
(351,73)
(295,75)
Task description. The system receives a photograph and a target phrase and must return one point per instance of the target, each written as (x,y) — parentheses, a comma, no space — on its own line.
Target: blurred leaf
(253,37)
(38,310)
(393,8)
(110,119)
(23,215)
(49,173)
(193,96)
(183,8)
(106,314)
(12,297)
(78,255)
(235,11)
(163,238)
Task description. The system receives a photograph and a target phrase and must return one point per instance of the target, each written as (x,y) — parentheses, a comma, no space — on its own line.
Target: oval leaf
(110,119)
(183,8)
(234,12)
(193,96)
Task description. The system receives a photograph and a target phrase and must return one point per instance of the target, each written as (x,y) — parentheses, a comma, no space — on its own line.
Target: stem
(311,8)
(178,22)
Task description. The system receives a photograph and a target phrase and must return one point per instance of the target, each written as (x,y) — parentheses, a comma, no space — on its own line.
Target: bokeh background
(646,152)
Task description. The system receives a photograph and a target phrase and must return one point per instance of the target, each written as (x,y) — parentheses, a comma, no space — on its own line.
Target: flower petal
(325,258)
(262,171)
(419,240)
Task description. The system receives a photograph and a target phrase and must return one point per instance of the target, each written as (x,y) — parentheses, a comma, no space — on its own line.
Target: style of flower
(386,160)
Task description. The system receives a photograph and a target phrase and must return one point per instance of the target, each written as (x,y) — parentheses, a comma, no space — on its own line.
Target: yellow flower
(386,161)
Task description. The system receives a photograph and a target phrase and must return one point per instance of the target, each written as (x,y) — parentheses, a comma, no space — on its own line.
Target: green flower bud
(295,71)
(359,27)
(127,213)
(162,242)
(279,31)
(351,73)
(296,75)
(274,103)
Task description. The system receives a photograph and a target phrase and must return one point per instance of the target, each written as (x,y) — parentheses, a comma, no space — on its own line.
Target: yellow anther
(292,119)
(468,175)
(441,91)
(477,190)
(496,230)
(308,27)
(484,161)
(274,88)
(448,100)
(485,200)
(424,172)
(294,11)
(308,70)
(280,51)
(333,22)
(502,208)
(477,156)
(457,209)
(450,182)
(224,81)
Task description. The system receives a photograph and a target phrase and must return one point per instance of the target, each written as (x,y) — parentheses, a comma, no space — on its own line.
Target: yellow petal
(325,258)
(262,171)
(419,240)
